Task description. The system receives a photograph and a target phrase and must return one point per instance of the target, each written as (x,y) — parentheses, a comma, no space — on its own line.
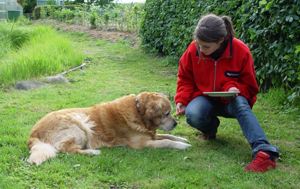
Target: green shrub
(93,17)
(270,29)
(37,12)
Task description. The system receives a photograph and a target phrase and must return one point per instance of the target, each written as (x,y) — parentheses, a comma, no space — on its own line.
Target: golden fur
(128,121)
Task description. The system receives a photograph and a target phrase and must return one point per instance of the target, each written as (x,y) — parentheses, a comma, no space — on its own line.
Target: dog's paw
(91,152)
(181,139)
(34,161)
(182,145)
(96,152)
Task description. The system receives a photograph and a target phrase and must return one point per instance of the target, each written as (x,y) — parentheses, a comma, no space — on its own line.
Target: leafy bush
(93,17)
(270,29)
(55,11)
(37,12)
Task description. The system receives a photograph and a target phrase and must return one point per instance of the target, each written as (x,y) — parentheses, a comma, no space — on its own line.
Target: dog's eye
(167,114)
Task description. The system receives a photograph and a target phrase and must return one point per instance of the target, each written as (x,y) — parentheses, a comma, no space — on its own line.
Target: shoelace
(258,160)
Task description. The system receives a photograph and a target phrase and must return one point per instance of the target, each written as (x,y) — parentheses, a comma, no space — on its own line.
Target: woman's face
(208,48)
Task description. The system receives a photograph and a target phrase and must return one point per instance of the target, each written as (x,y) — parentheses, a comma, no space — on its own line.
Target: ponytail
(229,26)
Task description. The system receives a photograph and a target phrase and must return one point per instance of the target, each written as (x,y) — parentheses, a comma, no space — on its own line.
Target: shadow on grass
(232,148)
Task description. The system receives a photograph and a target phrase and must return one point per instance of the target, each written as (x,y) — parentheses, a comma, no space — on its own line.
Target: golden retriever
(128,121)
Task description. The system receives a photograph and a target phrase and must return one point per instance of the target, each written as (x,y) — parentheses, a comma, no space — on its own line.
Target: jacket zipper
(215,69)
(215,74)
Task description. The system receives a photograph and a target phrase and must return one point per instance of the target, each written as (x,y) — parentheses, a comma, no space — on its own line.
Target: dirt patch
(109,35)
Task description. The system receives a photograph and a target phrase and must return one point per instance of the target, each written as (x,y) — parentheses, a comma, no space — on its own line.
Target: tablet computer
(221,93)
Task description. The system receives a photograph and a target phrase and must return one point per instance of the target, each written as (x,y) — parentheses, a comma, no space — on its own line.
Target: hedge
(270,28)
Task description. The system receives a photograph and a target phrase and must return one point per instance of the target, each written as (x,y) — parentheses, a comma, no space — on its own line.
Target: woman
(217,61)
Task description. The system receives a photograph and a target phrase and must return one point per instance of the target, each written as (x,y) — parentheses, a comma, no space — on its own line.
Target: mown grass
(35,51)
(117,69)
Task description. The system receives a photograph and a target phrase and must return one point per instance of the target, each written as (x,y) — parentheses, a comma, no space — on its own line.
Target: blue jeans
(201,113)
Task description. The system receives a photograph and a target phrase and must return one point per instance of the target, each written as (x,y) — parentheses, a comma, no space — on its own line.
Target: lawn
(117,69)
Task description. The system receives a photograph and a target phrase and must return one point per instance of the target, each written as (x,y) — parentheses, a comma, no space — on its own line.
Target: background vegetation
(270,28)
(120,17)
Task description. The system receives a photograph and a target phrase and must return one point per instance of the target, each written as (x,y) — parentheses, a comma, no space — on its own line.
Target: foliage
(93,17)
(101,3)
(51,2)
(121,17)
(38,12)
(76,2)
(270,28)
(62,13)
(29,5)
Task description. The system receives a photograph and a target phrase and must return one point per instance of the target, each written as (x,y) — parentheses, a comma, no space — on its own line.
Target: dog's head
(155,109)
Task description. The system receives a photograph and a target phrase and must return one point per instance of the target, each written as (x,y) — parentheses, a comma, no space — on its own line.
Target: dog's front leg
(167,143)
(171,137)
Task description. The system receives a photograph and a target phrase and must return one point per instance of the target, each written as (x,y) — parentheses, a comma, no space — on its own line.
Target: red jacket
(198,74)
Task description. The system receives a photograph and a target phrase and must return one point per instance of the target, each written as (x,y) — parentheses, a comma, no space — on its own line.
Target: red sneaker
(261,163)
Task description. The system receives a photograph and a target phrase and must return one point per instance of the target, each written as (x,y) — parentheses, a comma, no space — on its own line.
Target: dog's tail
(40,151)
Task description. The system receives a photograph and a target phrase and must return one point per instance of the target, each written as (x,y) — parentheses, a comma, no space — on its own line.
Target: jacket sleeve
(185,79)
(247,83)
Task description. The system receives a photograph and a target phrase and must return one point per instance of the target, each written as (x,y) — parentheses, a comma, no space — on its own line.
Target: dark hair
(213,28)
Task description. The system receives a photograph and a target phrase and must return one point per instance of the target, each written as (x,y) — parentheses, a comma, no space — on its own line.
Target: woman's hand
(180,109)
(233,89)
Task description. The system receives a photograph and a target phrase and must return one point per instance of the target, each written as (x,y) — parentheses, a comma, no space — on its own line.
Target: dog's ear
(153,110)
(166,95)
(148,104)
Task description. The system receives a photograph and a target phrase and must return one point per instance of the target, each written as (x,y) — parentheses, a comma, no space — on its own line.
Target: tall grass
(35,52)
(11,38)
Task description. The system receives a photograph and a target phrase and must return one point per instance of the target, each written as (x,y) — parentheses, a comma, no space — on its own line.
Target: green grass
(11,38)
(117,69)
(30,52)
